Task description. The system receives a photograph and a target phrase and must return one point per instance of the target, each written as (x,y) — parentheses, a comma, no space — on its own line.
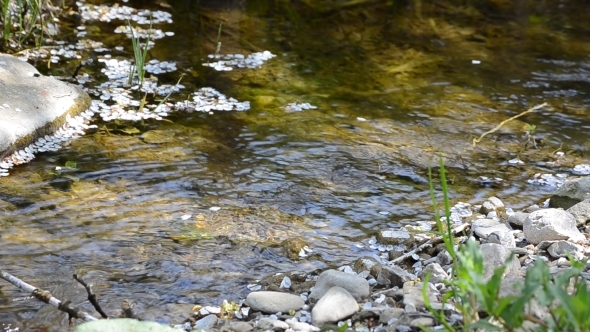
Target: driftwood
(45,296)
(532,109)
(429,243)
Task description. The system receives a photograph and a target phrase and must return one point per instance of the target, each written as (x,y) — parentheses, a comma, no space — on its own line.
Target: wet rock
(551,225)
(437,274)
(33,105)
(391,276)
(206,323)
(395,237)
(293,247)
(572,192)
(493,204)
(564,248)
(517,219)
(356,286)
(272,302)
(367,264)
(581,212)
(267,324)
(495,256)
(505,239)
(336,304)
(484,227)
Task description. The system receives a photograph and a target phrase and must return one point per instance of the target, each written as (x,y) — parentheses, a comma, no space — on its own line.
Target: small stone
(272,302)
(356,286)
(564,248)
(437,274)
(335,305)
(206,323)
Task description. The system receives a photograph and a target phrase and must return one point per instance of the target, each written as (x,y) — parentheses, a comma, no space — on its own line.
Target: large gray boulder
(33,105)
(571,192)
(551,225)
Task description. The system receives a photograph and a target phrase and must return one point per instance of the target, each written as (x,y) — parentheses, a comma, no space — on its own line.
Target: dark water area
(220,201)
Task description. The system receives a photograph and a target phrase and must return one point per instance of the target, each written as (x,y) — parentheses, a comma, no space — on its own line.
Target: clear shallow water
(323,176)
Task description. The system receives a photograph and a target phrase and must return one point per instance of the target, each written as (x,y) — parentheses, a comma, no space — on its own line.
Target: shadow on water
(395,82)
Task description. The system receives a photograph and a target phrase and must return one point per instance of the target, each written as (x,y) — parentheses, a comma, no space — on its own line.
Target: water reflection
(395,85)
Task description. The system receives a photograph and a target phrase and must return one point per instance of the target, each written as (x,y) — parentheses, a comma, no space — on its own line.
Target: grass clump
(24,22)
(561,301)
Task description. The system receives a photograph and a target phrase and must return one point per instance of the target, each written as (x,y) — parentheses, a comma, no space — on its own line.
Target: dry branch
(45,296)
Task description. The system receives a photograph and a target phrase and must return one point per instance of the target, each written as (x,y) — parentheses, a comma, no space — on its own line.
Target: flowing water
(191,210)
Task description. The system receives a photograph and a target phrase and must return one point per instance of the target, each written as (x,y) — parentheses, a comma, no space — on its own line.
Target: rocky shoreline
(377,295)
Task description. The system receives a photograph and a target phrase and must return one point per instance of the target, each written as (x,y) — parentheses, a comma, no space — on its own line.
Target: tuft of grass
(140,55)
(564,298)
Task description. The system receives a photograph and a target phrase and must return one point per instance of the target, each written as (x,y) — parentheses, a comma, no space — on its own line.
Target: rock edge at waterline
(33,105)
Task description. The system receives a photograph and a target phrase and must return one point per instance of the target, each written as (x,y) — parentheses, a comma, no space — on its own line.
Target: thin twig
(45,296)
(91,297)
(429,243)
(532,109)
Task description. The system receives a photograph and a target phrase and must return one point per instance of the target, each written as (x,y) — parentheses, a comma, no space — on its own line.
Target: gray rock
(517,219)
(237,327)
(356,286)
(437,274)
(272,302)
(413,299)
(38,105)
(422,322)
(444,258)
(563,248)
(337,304)
(581,212)
(486,208)
(303,327)
(389,314)
(206,323)
(495,256)
(391,276)
(493,204)
(505,239)
(572,192)
(395,236)
(267,324)
(551,225)
(484,227)
(367,264)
